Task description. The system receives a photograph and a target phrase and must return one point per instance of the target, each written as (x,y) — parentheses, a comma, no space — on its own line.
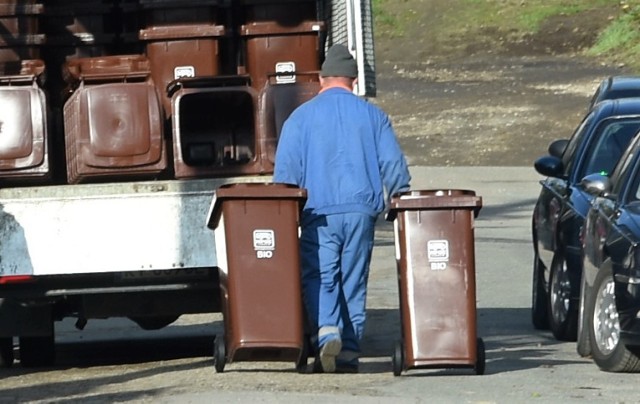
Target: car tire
(539,314)
(583,346)
(608,351)
(562,310)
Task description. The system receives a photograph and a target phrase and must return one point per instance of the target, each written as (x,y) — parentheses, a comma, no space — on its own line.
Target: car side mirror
(596,184)
(557,147)
(549,166)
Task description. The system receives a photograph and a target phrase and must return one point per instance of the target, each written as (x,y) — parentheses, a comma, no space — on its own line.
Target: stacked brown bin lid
(280,37)
(181,51)
(113,120)
(181,40)
(24,141)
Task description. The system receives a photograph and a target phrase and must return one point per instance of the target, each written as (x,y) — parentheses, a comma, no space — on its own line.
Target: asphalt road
(114,361)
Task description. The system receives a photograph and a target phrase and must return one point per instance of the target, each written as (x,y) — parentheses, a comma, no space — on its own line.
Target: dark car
(609,323)
(595,147)
(614,87)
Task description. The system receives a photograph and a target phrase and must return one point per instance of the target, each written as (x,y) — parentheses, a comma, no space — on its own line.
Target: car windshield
(611,140)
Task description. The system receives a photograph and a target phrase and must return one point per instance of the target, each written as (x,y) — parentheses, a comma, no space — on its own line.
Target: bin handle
(207,81)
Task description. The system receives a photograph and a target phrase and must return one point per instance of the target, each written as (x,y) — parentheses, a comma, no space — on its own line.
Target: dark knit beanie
(339,63)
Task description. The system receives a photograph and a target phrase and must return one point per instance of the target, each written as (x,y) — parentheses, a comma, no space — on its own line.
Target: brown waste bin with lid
(256,237)
(24,141)
(436,276)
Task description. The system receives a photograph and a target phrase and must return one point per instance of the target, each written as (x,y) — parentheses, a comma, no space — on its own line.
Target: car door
(554,193)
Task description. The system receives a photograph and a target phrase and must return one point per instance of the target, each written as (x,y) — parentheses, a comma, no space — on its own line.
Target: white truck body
(136,249)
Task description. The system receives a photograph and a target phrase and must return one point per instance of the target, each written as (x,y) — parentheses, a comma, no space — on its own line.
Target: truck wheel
(562,309)
(609,352)
(539,316)
(219,354)
(37,351)
(6,352)
(398,359)
(480,357)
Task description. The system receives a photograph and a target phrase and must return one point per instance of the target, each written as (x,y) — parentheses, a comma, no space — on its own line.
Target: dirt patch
(488,98)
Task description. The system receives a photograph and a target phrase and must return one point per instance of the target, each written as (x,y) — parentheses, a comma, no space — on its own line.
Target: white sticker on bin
(183,71)
(285,67)
(438,254)
(264,242)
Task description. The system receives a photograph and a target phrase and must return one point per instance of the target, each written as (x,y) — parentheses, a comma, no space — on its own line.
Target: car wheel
(37,351)
(609,353)
(6,352)
(562,309)
(583,347)
(539,316)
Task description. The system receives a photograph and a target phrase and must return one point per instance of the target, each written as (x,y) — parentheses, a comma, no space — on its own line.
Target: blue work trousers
(336,253)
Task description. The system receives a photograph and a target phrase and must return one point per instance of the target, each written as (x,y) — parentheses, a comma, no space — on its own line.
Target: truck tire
(37,351)
(6,352)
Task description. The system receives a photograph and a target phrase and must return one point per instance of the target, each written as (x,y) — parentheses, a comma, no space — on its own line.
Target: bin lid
(25,70)
(75,69)
(178,32)
(253,191)
(267,28)
(430,199)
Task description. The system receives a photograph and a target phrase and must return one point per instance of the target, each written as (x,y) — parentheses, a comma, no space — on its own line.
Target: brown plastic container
(256,233)
(436,273)
(181,51)
(271,48)
(214,128)
(113,124)
(277,101)
(24,140)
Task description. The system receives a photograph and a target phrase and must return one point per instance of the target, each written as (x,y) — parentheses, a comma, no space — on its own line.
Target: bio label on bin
(438,254)
(264,242)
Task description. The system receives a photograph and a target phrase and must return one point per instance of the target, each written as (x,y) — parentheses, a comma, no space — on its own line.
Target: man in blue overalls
(344,152)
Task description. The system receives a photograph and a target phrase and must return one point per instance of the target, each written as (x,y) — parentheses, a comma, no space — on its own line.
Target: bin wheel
(301,364)
(219,354)
(480,357)
(398,359)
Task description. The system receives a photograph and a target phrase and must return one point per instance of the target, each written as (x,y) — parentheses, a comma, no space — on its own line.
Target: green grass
(620,41)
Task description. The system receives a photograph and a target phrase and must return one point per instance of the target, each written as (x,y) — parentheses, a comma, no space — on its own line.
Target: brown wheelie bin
(436,276)
(256,236)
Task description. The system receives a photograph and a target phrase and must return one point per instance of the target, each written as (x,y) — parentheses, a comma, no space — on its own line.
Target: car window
(609,142)
(626,172)
(574,141)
